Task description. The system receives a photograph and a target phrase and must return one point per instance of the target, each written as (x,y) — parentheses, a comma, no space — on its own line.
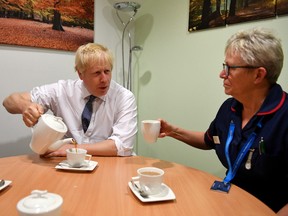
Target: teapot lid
(39,201)
(54,122)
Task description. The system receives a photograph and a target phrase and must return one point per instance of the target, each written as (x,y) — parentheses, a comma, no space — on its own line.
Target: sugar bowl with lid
(40,203)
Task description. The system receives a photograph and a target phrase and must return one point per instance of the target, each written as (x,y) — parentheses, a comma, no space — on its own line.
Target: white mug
(77,157)
(151,179)
(150,130)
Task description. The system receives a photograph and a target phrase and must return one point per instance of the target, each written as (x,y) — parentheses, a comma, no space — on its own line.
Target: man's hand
(32,114)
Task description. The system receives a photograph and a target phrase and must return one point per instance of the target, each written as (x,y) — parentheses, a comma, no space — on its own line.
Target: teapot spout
(59,143)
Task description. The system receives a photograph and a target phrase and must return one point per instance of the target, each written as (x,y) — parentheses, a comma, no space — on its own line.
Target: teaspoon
(142,191)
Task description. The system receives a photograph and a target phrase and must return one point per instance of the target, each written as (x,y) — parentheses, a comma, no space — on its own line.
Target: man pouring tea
(100,114)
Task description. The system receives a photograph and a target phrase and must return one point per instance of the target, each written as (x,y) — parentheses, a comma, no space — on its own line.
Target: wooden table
(105,191)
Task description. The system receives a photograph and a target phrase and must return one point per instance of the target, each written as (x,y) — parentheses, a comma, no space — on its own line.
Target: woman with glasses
(250,131)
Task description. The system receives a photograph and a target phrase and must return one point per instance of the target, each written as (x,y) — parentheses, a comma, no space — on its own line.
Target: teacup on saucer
(77,157)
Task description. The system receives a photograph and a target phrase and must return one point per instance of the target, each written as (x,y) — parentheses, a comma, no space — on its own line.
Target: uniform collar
(273,102)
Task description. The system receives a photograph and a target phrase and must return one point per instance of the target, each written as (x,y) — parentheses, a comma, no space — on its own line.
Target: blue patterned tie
(87,113)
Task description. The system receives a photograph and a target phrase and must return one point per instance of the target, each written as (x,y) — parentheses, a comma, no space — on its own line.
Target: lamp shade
(140,2)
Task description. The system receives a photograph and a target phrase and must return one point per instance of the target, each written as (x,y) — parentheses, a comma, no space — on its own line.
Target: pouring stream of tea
(75,143)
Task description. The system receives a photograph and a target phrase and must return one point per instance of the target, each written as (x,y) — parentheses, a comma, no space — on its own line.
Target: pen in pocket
(262,147)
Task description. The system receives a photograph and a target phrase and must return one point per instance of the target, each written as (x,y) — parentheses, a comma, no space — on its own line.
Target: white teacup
(150,130)
(150,179)
(76,157)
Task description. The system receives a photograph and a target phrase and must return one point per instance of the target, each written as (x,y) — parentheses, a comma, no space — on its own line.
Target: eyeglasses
(226,68)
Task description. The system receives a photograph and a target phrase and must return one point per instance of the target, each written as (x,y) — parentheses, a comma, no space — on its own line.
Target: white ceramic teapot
(47,134)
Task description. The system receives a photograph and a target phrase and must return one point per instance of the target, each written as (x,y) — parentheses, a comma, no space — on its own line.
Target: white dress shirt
(114,115)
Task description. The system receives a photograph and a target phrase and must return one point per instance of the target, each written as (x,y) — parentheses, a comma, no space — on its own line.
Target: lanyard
(233,169)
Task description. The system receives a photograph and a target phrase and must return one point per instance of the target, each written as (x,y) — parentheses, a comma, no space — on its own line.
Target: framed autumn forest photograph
(52,24)
(205,14)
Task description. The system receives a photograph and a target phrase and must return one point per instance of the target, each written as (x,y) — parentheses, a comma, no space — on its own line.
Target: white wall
(23,68)
(178,77)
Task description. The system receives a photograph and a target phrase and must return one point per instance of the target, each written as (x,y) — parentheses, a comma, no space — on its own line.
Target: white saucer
(165,195)
(7,182)
(63,165)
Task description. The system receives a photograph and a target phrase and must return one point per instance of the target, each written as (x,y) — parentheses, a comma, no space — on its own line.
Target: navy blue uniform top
(268,177)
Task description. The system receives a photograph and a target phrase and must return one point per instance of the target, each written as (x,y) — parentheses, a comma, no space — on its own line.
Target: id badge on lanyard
(225,185)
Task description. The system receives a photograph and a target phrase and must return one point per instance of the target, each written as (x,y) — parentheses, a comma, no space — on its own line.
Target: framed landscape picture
(52,24)
(204,14)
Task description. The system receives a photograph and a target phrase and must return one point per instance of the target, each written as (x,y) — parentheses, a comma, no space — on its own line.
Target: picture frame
(51,24)
(206,14)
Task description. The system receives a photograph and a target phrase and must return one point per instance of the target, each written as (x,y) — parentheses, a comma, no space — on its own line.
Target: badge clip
(221,186)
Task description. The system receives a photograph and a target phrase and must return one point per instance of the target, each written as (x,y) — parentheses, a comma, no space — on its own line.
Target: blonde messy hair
(90,54)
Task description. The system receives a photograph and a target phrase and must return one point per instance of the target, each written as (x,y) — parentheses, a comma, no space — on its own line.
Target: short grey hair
(258,47)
